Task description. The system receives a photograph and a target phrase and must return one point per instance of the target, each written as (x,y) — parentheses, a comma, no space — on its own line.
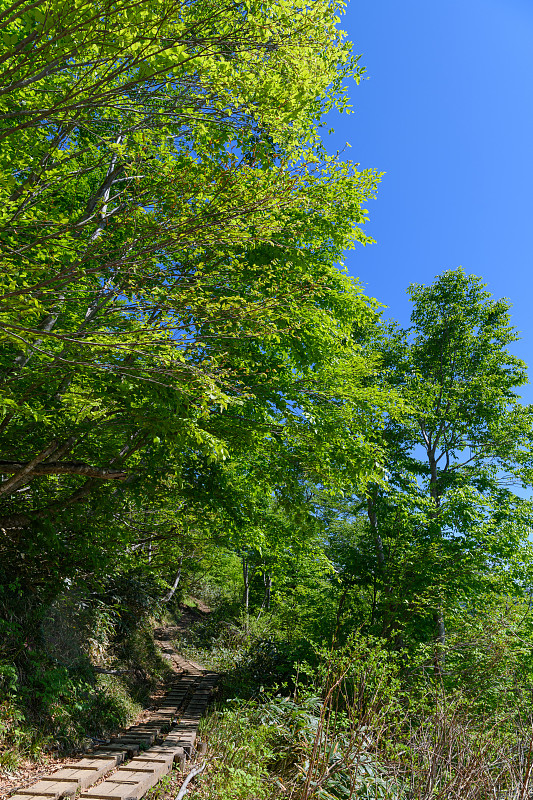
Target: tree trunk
(267,580)
(438,617)
(170,594)
(246,583)
(440,642)
(22,471)
(373,519)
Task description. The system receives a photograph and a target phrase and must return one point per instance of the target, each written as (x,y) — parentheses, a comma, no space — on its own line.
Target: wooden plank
(126,750)
(115,791)
(157,769)
(130,786)
(170,704)
(177,741)
(186,745)
(83,774)
(151,728)
(176,751)
(22,796)
(84,777)
(165,759)
(148,727)
(103,796)
(184,736)
(52,788)
(126,775)
(182,730)
(139,739)
(184,725)
(100,757)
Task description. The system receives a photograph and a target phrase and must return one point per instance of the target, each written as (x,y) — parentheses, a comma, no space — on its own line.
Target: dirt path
(164,638)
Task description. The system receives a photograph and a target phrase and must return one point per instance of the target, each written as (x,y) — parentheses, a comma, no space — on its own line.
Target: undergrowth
(60,709)
(249,650)
(84,672)
(346,723)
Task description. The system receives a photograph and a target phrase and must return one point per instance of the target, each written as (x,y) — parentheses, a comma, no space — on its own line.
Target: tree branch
(61,468)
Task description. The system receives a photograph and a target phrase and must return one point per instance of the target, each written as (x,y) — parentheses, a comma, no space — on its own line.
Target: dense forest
(201,409)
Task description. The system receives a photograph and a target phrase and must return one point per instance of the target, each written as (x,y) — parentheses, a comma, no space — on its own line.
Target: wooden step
(125,751)
(187,700)
(142,739)
(22,796)
(124,784)
(52,788)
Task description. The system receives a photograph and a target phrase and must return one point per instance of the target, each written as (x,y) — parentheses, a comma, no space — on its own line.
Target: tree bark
(438,616)
(171,592)
(246,583)
(267,580)
(440,643)
(23,469)
(19,521)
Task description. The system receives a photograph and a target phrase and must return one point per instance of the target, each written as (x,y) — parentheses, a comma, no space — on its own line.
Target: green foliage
(305,743)
(350,727)
(449,523)
(53,707)
(175,328)
(175,331)
(235,645)
(244,749)
(195,398)
(50,695)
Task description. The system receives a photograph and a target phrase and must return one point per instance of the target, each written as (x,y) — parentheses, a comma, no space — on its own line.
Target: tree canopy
(195,396)
(173,314)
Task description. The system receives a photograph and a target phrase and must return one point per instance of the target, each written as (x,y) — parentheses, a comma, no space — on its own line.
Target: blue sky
(447,114)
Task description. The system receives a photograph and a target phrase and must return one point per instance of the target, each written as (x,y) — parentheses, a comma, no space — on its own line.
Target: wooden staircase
(131,763)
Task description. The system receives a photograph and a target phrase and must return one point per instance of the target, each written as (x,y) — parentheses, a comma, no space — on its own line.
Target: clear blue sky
(447,114)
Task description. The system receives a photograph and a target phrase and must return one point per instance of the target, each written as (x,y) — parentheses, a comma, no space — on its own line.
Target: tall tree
(170,230)
(449,520)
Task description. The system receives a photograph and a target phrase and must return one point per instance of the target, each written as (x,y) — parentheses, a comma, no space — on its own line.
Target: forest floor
(30,771)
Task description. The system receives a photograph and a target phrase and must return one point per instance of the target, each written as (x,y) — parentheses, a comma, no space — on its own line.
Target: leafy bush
(242,752)
(51,697)
(139,655)
(350,727)
(251,650)
(135,594)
